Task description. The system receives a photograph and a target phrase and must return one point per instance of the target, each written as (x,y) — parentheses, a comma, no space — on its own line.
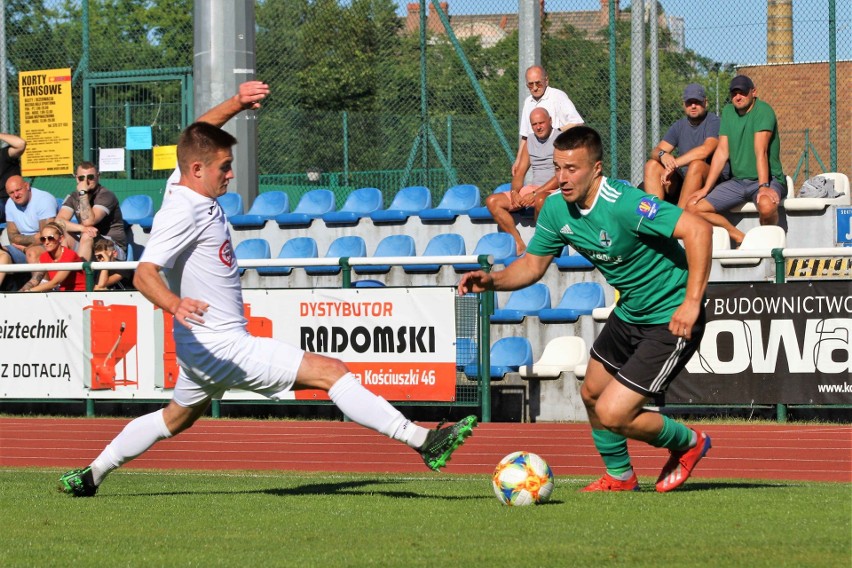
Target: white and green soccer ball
(522,478)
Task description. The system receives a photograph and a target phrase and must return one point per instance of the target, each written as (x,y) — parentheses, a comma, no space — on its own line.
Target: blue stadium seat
(252,249)
(408,201)
(393,245)
(458,200)
(360,203)
(527,301)
(138,210)
(267,205)
(482,213)
(297,247)
(231,203)
(570,259)
(312,205)
(507,356)
(466,352)
(367,284)
(349,246)
(579,299)
(445,244)
(500,245)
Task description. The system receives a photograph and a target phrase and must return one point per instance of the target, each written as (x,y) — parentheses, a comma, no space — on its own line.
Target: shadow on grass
(354,487)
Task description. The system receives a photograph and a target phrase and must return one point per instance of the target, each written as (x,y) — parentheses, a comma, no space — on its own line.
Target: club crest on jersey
(226,254)
(647,208)
(604,239)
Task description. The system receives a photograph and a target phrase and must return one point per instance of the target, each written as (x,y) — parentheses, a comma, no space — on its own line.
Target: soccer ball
(522,478)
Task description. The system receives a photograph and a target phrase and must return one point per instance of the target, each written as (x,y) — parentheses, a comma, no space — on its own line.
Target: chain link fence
(361,96)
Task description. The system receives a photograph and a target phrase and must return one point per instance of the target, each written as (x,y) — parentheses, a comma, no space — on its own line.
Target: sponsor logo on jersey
(604,239)
(566,230)
(647,208)
(226,254)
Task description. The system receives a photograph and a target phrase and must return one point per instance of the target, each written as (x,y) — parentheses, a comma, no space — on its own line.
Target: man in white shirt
(555,102)
(191,243)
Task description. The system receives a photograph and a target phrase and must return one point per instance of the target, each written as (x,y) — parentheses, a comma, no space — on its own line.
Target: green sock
(673,436)
(613,449)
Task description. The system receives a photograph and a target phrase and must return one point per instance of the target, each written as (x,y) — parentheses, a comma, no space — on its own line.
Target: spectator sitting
(748,135)
(539,156)
(28,210)
(97,211)
(693,138)
(64,280)
(106,251)
(5,258)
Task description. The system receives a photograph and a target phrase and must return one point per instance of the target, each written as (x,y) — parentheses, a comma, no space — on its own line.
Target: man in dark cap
(680,163)
(748,137)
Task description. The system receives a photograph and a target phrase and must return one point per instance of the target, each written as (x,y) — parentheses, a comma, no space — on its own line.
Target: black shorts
(645,358)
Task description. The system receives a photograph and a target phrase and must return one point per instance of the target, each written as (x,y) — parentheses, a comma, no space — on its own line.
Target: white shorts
(236,361)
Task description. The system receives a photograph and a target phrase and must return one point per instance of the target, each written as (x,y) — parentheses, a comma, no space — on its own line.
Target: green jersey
(627,235)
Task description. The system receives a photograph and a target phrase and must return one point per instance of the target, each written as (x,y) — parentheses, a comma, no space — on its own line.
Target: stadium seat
(297,247)
(763,238)
(841,185)
(312,205)
(231,203)
(250,249)
(408,201)
(721,239)
(349,246)
(466,352)
(393,245)
(500,245)
(458,200)
(138,210)
(572,260)
(508,355)
(360,203)
(482,213)
(445,244)
(367,284)
(266,206)
(560,355)
(522,303)
(579,299)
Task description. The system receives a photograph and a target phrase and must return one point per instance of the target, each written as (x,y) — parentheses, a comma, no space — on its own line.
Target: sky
(729,31)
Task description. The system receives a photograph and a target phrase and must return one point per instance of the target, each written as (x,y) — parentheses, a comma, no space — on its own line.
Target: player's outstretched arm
(526,270)
(250,94)
(186,310)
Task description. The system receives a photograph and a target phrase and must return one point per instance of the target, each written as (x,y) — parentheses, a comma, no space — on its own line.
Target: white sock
(374,412)
(139,435)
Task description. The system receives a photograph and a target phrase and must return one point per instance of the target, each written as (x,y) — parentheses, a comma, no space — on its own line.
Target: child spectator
(105,251)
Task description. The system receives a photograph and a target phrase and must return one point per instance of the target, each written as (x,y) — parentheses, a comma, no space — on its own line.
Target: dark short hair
(199,142)
(581,137)
(87,166)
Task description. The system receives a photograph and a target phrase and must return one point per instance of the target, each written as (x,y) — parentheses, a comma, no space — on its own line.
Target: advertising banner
(116,345)
(46,122)
(772,343)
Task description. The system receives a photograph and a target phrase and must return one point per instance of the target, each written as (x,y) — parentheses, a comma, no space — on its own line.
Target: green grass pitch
(157,518)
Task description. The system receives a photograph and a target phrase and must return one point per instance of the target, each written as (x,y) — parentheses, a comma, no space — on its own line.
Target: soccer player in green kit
(632,238)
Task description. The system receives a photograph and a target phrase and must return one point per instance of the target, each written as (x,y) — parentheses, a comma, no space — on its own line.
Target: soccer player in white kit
(190,242)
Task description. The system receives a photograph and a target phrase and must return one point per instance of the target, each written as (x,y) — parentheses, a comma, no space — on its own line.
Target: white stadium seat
(561,354)
(763,237)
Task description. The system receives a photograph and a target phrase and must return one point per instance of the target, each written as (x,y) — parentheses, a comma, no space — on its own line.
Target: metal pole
(424,108)
(345,149)
(655,72)
(529,46)
(4,117)
(637,91)
(224,57)
(613,103)
(832,82)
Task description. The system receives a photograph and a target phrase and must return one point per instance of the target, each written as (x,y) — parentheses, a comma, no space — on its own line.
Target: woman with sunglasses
(66,280)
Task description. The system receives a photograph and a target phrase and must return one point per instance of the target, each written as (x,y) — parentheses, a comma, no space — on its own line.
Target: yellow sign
(165,157)
(46,122)
(808,268)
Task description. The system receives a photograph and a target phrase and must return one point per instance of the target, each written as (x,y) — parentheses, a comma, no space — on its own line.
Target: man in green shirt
(632,238)
(748,137)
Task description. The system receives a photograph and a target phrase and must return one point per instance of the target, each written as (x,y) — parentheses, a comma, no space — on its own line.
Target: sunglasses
(532,84)
(87,177)
(48,238)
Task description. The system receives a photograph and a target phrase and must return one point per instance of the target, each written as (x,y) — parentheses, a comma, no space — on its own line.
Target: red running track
(784,452)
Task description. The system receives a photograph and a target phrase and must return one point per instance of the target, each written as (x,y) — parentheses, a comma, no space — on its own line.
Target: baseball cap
(694,91)
(741,83)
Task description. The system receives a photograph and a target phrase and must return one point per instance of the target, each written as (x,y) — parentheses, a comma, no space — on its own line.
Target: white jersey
(560,108)
(191,242)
